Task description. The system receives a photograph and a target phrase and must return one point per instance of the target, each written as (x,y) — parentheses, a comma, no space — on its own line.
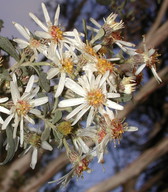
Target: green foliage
(6,45)
(11,144)
(57,116)
(43,81)
(1,24)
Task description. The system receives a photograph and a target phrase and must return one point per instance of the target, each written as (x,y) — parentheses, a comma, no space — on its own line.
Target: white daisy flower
(87,50)
(93,97)
(23,105)
(30,42)
(3,109)
(109,128)
(64,63)
(80,145)
(33,139)
(149,58)
(112,33)
(52,31)
(109,23)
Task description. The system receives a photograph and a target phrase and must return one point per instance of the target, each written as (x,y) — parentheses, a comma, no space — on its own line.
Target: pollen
(33,139)
(82,166)
(65,128)
(22,107)
(90,50)
(101,134)
(95,97)
(152,60)
(67,65)
(56,33)
(103,65)
(117,128)
(34,43)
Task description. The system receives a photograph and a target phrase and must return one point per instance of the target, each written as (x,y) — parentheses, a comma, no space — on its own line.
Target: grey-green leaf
(44,82)
(11,146)
(7,46)
(98,36)
(57,116)
(46,133)
(58,138)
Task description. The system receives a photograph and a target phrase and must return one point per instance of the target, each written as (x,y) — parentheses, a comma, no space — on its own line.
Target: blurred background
(140,162)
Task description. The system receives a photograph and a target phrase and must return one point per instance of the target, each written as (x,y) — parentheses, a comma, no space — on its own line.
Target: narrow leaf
(11,146)
(7,46)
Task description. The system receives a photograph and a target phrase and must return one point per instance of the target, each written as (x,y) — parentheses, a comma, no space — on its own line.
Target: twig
(134,169)
(45,174)
(144,92)
(158,20)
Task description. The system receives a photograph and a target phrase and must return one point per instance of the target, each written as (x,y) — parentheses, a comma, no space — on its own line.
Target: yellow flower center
(103,65)
(67,65)
(34,43)
(34,139)
(95,97)
(65,127)
(90,50)
(56,33)
(22,107)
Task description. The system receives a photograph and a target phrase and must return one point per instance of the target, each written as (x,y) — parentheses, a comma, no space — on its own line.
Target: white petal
(4,110)
(71,102)
(104,78)
(97,47)
(46,145)
(21,132)
(132,128)
(34,158)
(52,73)
(22,30)
(139,70)
(39,101)
(113,95)
(95,22)
(74,87)
(151,52)
(80,114)
(35,111)
(4,99)
(126,43)
(42,34)
(60,85)
(1,120)
(57,13)
(113,105)
(82,144)
(33,93)
(75,111)
(30,120)
(7,121)
(109,112)
(30,84)
(22,43)
(156,75)
(15,92)
(90,117)
(46,15)
(38,22)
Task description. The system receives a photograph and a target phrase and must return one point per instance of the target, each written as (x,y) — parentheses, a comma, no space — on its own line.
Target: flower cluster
(72,99)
